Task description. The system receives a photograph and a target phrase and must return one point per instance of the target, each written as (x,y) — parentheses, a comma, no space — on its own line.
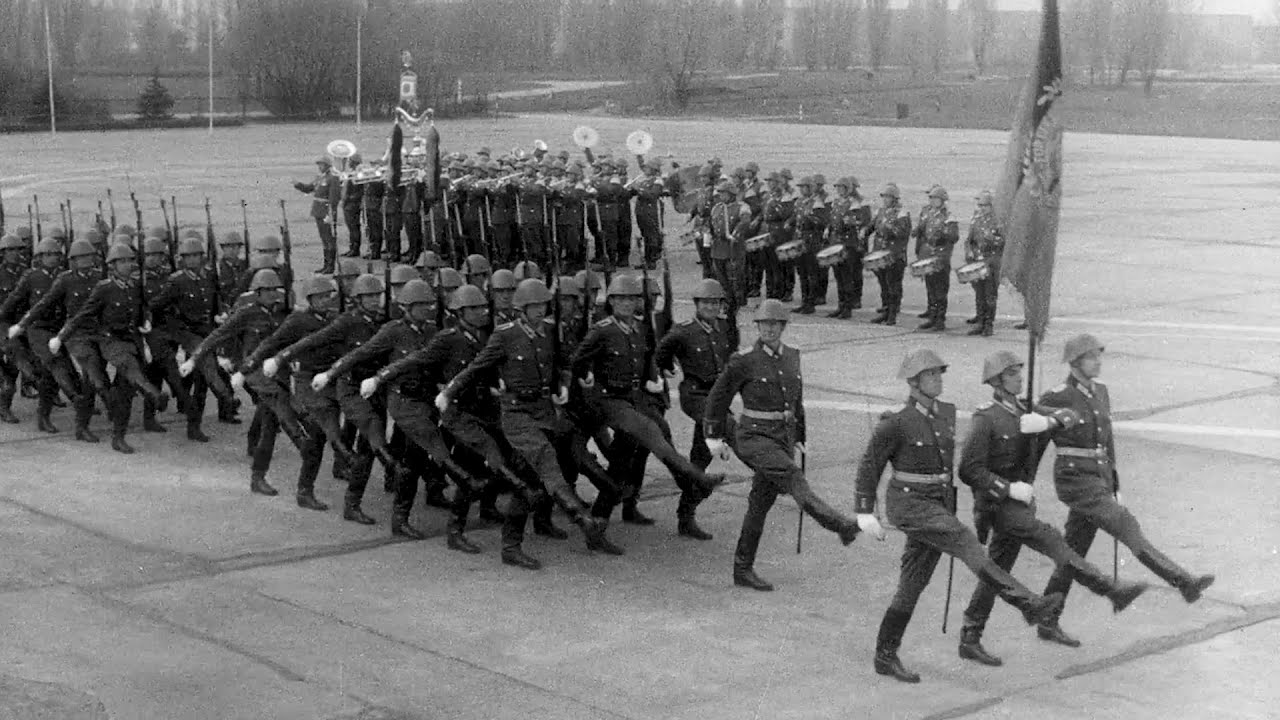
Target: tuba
(341,151)
(586,137)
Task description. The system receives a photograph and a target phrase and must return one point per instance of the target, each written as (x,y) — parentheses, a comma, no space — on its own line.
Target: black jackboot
(351,510)
(1189,585)
(258,484)
(971,648)
(744,556)
(887,643)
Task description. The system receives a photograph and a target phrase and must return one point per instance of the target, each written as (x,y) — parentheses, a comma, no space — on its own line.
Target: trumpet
(494,182)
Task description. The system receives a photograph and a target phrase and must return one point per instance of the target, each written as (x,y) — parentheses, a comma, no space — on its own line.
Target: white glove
(868,523)
(589,381)
(219,319)
(180,355)
(1022,492)
(654,386)
(1119,501)
(368,387)
(237,381)
(186,368)
(55,344)
(442,402)
(561,398)
(270,367)
(320,381)
(14,331)
(225,363)
(718,448)
(1033,423)
(146,328)
(799,448)
(147,357)
(669,374)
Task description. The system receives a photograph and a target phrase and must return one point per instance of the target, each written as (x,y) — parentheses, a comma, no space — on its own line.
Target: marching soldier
(325,192)
(997,463)
(1086,481)
(476,271)
(16,358)
(850,216)
(936,234)
(919,441)
(532,199)
(810,221)
(891,229)
(985,243)
(111,314)
(769,434)
(352,207)
(162,340)
(231,266)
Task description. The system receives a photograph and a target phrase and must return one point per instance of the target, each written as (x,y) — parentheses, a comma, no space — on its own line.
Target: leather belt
(1099,454)
(529,395)
(784,416)
(922,478)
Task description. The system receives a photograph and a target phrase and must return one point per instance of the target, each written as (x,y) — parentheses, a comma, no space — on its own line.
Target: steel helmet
(531,291)
(13,242)
(431,260)
(752,167)
(997,362)
(917,361)
(819,179)
(262,262)
(503,279)
(158,231)
(709,290)
(266,280)
(368,284)
(528,269)
(119,252)
(93,236)
(450,279)
(588,281)
(1080,345)
(567,286)
(625,285)
(984,198)
(319,285)
(414,292)
(401,274)
(937,191)
(125,229)
(58,233)
(191,246)
(806,181)
(192,233)
(468,296)
(123,239)
(890,190)
(231,238)
(155,246)
(477,265)
(270,242)
(49,246)
(79,248)
(727,188)
(23,232)
(347,268)
(772,309)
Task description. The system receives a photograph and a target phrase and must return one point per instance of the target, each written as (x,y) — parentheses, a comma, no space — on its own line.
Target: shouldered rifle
(170,237)
(386,289)
(137,216)
(141,258)
(287,242)
(650,335)
(173,203)
(39,227)
(111,203)
(211,250)
(71,225)
(668,320)
(244,226)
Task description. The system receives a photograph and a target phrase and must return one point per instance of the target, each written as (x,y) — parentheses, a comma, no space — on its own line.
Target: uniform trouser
(937,285)
(704,259)
(573,249)
(416,422)
(327,241)
(477,437)
(768,448)
(319,409)
(622,238)
(627,457)
(610,249)
(774,286)
(693,401)
(1092,505)
(1013,525)
(849,281)
(63,374)
(25,362)
(125,356)
(728,272)
(368,416)
(352,213)
(984,295)
(574,456)
(811,287)
(625,416)
(273,413)
(921,512)
(890,279)
(787,273)
(373,226)
(755,273)
(412,224)
(650,236)
(93,366)
(391,235)
(209,373)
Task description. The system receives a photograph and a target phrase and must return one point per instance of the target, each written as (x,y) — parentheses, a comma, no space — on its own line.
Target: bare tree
(1145,27)
(915,37)
(877,32)
(982,27)
(936,40)
(288,46)
(678,49)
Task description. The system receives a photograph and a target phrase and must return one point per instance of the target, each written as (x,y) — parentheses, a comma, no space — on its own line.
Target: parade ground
(156,586)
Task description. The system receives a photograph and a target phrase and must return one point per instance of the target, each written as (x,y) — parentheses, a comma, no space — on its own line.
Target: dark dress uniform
(996,453)
(613,352)
(569,203)
(189,298)
(850,217)
(231,271)
(42,320)
(352,209)
(919,441)
(372,199)
(811,219)
(163,343)
(753,196)
(986,243)
(779,277)
(729,223)
(503,219)
(1084,476)
(16,357)
(936,234)
(771,424)
(411,221)
(701,217)
(392,202)
(531,204)
(891,230)
(703,350)
(648,192)
(325,191)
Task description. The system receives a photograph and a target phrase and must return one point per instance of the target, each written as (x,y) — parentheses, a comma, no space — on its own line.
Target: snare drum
(759,242)
(973,272)
(833,255)
(789,251)
(878,260)
(926,266)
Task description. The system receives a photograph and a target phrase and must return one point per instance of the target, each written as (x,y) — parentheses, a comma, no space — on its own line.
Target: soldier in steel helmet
(810,221)
(936,234)
(890,230)
(1087,482)
(15,355)
(850,217)
(919,442)
(985,243)
(353,207)
(729,222)
(998,463)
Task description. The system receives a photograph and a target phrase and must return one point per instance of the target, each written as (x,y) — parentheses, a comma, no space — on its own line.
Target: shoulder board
(987,405)
(174,275)
(604,323)
(505,326)
(904,213)
(1099,385)
(686,323)
(788,350)
(1058,388)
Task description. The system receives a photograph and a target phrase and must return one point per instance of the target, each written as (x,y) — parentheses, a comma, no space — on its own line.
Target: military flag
(1030,188)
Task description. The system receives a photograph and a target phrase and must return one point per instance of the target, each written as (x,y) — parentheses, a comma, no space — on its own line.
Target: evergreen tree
(155,103)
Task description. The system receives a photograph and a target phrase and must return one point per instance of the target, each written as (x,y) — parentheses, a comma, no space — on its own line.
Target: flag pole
(359,65)
(210,72)
(48,54)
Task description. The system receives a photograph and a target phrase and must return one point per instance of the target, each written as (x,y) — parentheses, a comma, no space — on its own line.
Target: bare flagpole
(359,65)
(48,54)
(211,72)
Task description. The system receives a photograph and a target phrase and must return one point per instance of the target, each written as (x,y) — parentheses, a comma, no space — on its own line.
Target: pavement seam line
(444,656)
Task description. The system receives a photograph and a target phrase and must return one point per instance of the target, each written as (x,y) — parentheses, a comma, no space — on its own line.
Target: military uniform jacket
(811,219)
(296,326)
(522,357)
(648,192)
(112,311)
(325,191)
(244,330)
(411,199)
(702,348)
(985,241)
(395,340)
(614,353)
(767,381)
(65,296)
(352,197)
(849,217)
(502,316)
(729,223)
(568,203)
(892,228)
(533,194)
(778,209)
(448,354)
(318,351)
(753,196)
(936,234)
(996,452)
(230,270)
(371,196)
(32,286)
(502,205)
(915,439)
(392,196)
(1092,432)
(189,297)
(9,277)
